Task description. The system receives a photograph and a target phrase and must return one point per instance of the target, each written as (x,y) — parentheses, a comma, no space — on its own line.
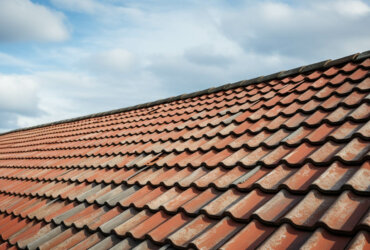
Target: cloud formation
(207,56)
(23,20)
(114,61)
(18,97)
(124,53)
(18,94)
(307,29)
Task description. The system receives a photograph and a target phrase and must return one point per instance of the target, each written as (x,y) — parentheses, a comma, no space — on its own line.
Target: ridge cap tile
(313,66)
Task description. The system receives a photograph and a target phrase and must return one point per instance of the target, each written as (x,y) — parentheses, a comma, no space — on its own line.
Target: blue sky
(65,58)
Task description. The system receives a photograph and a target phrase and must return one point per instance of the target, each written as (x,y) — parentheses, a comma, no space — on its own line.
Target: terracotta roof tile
(275,162)
(323,240)
(360,241)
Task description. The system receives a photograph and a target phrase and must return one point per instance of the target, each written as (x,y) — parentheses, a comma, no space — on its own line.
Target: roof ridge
(278,75)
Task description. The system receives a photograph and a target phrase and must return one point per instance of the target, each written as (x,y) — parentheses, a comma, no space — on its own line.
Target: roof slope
(275,162)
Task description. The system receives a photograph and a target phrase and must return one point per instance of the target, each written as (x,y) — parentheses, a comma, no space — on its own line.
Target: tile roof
(280,161)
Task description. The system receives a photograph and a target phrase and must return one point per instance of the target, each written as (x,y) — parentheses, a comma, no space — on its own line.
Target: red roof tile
(276,162)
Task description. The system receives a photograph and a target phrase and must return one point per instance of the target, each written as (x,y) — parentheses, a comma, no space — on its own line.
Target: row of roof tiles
(328,180)
(178,229)
(339,125)
(307,210)
(285,236)
(354,152)
(192,141)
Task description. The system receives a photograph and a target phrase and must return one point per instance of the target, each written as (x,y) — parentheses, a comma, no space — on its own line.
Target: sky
(61,59)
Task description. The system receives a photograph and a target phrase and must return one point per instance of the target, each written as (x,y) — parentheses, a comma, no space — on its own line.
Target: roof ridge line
(278,75)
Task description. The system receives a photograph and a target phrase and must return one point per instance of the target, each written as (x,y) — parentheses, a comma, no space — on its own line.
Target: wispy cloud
(113,61)
(87,6)
(306,29)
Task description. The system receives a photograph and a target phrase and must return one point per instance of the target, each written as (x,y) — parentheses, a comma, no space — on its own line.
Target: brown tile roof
(275,162)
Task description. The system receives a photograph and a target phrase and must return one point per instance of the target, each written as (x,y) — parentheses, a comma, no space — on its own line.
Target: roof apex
(278,75)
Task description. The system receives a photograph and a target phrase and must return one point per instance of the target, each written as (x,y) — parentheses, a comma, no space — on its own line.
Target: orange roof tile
(280,161)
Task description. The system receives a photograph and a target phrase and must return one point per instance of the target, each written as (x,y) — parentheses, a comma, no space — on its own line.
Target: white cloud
(23,20)
(41,97)
(314,30)
(353,8)
(18,94)
(116,61)
(275,12)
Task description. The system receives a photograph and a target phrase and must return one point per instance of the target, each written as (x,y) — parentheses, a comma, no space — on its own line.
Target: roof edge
(277,75)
